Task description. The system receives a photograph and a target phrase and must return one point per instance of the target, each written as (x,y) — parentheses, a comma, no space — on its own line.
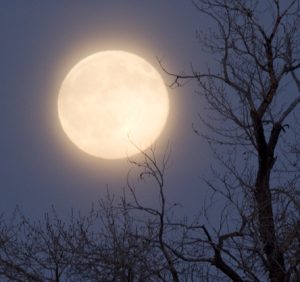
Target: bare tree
(35,251)
(253,94)
(119,240)
(133,238)
(113,249)
(122,239)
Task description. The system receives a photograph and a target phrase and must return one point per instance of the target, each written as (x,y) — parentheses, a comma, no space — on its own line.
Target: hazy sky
(40,42)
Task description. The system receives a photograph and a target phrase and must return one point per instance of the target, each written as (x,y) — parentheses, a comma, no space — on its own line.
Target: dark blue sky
(40,42)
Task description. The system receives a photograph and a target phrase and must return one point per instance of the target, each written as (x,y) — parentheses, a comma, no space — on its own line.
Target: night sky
(40,42)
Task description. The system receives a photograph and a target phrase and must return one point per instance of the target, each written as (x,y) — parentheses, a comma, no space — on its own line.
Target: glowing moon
(111,102)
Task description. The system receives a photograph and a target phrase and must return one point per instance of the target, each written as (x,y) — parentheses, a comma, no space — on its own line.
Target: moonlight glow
(110,101)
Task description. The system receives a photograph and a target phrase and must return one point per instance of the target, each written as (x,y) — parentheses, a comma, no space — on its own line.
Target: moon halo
(112,104)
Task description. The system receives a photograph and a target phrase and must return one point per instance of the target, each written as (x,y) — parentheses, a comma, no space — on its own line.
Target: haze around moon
(112,104)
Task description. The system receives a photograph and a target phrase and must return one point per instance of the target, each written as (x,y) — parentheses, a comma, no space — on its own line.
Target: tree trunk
(263,197)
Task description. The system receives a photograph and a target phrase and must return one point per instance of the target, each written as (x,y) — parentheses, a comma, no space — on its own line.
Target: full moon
(112,104)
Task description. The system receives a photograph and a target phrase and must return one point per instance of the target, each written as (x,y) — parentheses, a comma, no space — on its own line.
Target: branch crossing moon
(113,104)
